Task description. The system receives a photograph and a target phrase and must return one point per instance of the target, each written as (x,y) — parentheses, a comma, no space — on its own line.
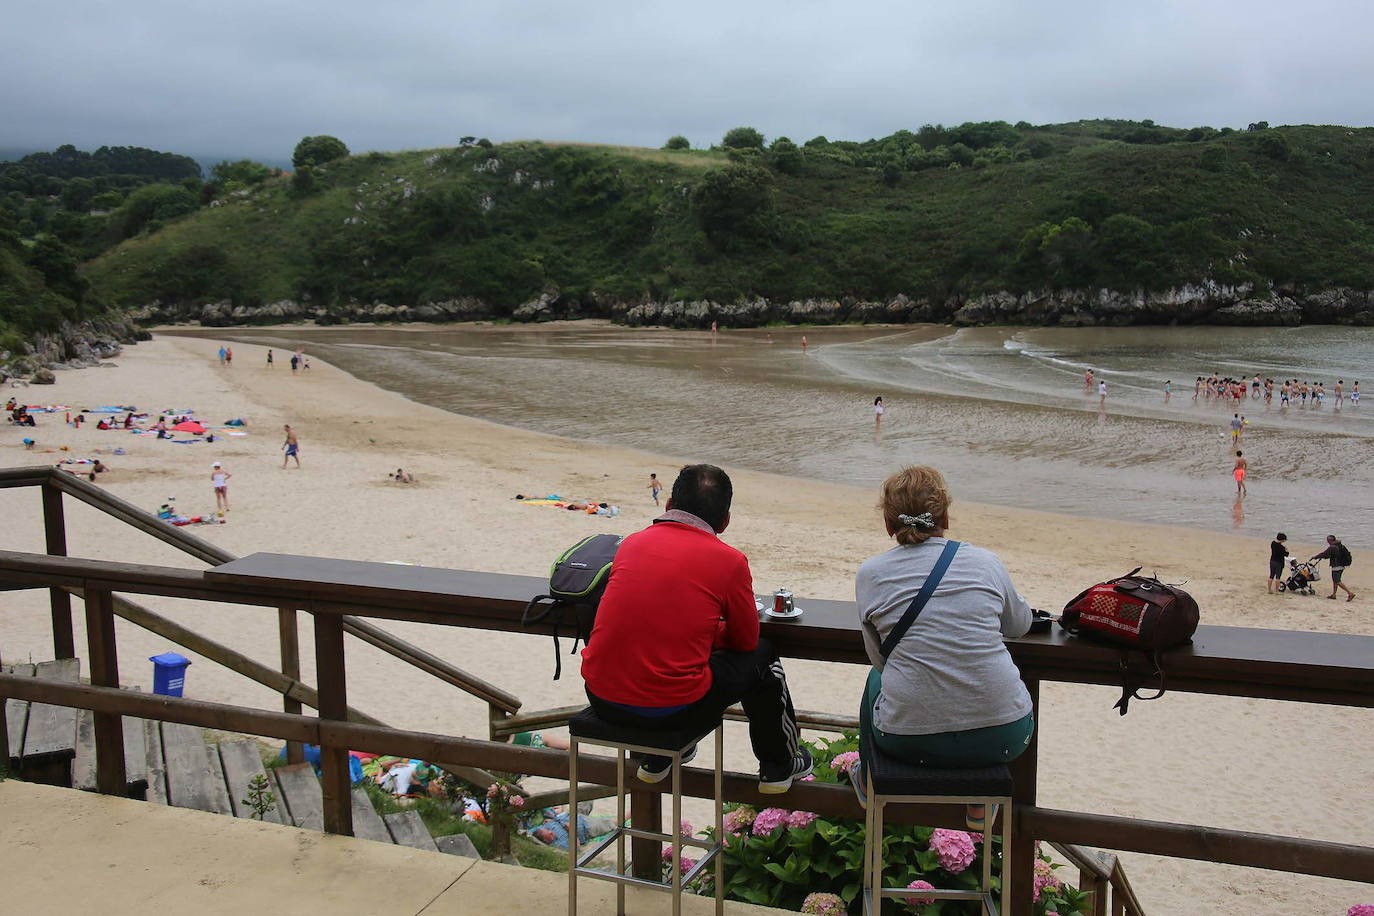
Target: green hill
(939,214)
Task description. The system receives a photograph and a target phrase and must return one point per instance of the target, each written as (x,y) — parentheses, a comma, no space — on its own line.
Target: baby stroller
(1300,577)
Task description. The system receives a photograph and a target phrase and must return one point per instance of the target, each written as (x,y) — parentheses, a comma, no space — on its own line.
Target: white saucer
(796,612)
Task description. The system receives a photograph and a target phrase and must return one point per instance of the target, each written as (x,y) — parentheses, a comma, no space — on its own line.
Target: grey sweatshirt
(951,671)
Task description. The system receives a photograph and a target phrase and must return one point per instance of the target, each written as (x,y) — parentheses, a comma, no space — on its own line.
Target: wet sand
(1184,758)
(1002,409)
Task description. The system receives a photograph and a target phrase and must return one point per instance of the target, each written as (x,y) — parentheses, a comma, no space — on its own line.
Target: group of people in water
(1289,391)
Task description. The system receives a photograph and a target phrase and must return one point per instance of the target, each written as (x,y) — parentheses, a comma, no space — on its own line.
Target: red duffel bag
(1134,612)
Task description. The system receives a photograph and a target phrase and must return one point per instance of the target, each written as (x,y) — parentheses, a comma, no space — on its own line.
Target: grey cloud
(252,78)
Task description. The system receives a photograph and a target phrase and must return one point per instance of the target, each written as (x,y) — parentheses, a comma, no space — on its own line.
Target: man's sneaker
(652,768)
(775,781)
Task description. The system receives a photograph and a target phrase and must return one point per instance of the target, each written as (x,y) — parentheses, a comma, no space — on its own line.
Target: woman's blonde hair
(915,502)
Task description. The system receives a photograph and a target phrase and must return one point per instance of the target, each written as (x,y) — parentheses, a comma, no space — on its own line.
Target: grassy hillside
(1122,205)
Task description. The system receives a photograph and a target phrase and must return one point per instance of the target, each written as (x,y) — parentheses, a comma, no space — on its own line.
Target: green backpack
(577,581)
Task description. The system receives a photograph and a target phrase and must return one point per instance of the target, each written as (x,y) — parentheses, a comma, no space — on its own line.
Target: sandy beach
(1197,759)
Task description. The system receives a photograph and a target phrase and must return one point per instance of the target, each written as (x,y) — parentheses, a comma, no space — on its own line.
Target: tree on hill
(785,156)
(678,142)
(149,207)
(318,150)
(742,138)
(729,201)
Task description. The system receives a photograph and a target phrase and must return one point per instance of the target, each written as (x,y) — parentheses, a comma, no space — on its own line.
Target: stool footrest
(626,878)
(610,838)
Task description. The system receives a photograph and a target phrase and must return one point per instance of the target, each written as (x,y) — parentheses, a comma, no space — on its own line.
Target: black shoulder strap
(1131,682)
(914,609)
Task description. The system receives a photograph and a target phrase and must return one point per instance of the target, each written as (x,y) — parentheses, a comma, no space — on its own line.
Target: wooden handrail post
(1098,884)
(289,638)
(646,813)
(55,543)
(331,682)
(1023,771)
(110,778)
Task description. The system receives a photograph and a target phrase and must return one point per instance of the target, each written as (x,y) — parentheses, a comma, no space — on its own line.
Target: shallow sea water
(1002,411)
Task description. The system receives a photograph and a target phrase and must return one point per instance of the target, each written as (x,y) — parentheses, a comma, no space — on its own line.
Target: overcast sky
(251,78)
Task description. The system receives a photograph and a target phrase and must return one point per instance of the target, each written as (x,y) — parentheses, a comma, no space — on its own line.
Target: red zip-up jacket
(676,592)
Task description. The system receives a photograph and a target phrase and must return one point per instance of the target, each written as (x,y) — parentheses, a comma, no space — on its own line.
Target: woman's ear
(890,530)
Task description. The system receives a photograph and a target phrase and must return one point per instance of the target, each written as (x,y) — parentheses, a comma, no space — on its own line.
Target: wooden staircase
(171,764)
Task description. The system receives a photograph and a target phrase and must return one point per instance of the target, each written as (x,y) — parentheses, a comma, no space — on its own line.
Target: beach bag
(577,581)
(1137,613)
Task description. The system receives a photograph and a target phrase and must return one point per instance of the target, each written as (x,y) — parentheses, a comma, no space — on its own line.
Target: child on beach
(878,410)
(655,487)
(219,479)
(1238,472)
(1355,395)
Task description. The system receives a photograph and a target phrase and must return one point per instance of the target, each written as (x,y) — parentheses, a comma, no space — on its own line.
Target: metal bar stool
(891,781)
(586,728)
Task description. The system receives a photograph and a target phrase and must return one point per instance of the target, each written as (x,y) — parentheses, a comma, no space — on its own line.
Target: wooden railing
(54,483)
(1306,667)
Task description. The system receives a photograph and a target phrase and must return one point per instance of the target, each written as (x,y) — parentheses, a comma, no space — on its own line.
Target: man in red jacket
(676,639)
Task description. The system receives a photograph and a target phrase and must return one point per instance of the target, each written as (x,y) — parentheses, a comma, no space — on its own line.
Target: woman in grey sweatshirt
(947,694)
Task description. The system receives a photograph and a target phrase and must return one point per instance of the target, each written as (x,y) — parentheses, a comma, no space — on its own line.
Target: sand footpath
(1196,759)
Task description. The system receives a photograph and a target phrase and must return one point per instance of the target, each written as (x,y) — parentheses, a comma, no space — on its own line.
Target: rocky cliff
(1201,303)
(75,345)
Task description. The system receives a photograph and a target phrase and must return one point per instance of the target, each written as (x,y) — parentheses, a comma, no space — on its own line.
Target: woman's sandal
(857,780)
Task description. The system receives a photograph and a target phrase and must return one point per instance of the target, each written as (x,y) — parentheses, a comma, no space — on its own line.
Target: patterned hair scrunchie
(924,521)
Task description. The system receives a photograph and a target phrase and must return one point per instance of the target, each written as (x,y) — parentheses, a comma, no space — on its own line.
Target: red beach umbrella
(189,426)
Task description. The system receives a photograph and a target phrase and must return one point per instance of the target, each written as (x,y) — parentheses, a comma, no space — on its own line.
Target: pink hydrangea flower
(492,790)
(954,849)
(1361,909)
(1046,879)
(739,820)
(799,819)
(684,863)
(919,885)
(845,763)
(823,905)
(517,801)
(685,827)
(770,819)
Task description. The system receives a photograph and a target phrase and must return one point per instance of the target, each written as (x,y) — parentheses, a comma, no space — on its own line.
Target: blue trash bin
(169,673)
